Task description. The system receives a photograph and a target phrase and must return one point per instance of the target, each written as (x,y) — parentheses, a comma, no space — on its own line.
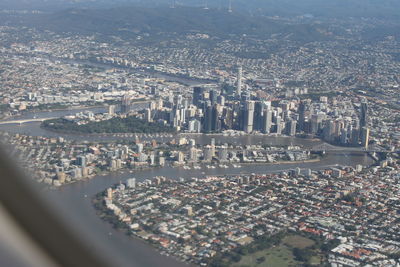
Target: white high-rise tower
(239,81)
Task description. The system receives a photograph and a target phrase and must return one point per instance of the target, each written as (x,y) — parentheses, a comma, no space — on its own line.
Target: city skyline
(209,133)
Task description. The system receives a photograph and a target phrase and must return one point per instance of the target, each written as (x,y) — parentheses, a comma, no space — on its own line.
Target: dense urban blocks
(290,218)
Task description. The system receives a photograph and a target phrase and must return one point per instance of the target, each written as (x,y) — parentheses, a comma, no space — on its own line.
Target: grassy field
(278,256)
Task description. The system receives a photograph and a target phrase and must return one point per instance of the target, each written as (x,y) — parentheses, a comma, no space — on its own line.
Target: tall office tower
(241,118)
(147,115)
(355,135)
(364,114)
(239,81)
(182,116)
(197,95)
(279,125)
(228,116)
(338,129)
(343,136)
(267,121)
(215,123)
(208,118)
(249,116)
(81,161)
(314,123)
(174,117)
(365,137)
(329,131)
(258,116)
(302,115)
(126,104)
(291,127)
(213,97)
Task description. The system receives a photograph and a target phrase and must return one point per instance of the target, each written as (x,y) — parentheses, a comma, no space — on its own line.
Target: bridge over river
(26,121)
(331,148)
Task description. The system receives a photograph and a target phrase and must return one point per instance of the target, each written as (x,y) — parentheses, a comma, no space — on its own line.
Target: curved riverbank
(74,204)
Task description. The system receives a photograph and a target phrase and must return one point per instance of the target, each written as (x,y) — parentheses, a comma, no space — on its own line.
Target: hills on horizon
(317,8)
(128,22)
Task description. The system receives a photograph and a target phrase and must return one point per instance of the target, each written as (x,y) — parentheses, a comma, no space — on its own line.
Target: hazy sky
(329,8)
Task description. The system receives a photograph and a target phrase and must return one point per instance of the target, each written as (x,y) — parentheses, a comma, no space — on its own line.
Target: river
(73,202)
(189,81)
(34,129)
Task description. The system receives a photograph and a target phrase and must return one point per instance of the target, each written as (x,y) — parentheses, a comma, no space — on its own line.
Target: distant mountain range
(126,22)
(318,8)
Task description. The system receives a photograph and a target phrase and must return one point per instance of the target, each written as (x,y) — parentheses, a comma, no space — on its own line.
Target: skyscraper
(364,115)
(126,104)
(258,116)
(239,81)
(249,116)
(147,115)
(215,123)
(302,115)
(279,125)
(303,107)
(267,121)
(355,136)
(291,127)
(197,95)
(213,97)
(81,161)
(343,136)
(208,119)
(365,137)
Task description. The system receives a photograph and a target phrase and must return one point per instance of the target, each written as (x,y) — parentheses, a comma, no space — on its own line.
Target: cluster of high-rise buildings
(343,126)
(211,109)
